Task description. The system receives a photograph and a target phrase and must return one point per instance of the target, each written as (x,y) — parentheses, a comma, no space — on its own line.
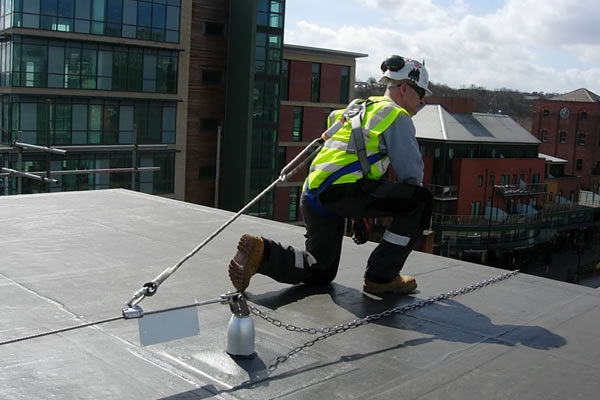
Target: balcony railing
(519,190)
(480,220)
(443,192)
(505,241)
(589,199)
(548,211)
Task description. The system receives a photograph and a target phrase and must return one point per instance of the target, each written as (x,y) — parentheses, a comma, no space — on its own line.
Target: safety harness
(353,113)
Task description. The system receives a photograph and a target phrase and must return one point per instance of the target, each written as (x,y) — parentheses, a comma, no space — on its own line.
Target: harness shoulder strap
(359,140)
(356,112)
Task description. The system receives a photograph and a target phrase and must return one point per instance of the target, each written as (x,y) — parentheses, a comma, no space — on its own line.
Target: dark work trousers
(408,205)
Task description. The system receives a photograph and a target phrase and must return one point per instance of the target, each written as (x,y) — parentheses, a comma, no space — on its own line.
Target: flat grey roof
(312,50)
(70,258)
(434,122)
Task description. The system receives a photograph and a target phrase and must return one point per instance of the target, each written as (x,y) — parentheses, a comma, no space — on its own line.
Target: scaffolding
(48,175)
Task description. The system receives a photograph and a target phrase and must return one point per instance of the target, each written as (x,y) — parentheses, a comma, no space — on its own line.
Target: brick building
(314,82)
(568,127)
(498,201)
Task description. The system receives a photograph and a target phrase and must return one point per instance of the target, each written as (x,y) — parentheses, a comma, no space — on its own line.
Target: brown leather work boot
(403,284)
(246,261)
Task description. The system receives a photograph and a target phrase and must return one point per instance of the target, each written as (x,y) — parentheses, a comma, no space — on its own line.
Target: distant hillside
(517,105)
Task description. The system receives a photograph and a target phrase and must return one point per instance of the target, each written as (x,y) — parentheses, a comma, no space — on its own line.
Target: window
(581,138)
(293,205)
(281,157)
(583,115)
(267,53)
(514,181)
(550,196)
(135,72)
(535,178)
(77,65)
(562,137)
(579,165)
(545,113)
(475,207)
(491,179)
(480,180)
(76,121)
(297,125)
(149,73)
(505,180)
(315,82)
(270,13)
(285,79)
(211,77)
(344,84)
(141,19)
(544,135)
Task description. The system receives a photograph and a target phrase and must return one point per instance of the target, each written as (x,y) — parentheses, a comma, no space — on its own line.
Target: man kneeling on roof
(347,180)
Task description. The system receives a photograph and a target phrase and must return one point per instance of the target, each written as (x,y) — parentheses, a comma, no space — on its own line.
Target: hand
(361,230)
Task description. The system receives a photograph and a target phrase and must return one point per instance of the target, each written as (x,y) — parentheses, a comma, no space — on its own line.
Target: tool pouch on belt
(424,196)
(419,196)
(409,196)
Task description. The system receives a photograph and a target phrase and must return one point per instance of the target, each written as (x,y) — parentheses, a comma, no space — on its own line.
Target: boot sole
(241,272)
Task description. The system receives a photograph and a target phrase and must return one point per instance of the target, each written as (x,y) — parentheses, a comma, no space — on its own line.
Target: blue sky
(528,45)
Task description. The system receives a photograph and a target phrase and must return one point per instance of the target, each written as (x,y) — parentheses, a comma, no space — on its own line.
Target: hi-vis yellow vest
(380,113)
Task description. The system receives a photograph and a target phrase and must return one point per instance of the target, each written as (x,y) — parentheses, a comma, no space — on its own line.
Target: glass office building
(251,162)
(96,78)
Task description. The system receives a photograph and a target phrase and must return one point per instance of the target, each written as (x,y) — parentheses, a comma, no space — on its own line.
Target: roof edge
(323,50)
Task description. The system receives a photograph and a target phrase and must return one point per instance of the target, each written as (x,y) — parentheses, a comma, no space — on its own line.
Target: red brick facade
(314,113)
(572,136)
(300,76)
(473,178)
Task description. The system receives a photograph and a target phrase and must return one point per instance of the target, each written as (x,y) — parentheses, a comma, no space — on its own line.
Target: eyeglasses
(420,91)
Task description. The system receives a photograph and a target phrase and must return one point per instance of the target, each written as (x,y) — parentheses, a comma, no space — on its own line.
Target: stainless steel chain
(334,330)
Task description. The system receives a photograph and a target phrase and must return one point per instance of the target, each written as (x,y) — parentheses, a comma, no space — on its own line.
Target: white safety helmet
(399,69)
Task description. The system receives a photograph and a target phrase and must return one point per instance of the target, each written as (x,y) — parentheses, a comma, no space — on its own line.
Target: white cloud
(529,45)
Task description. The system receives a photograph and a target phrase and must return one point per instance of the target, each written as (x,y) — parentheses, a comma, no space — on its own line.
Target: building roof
(73,257)
(579,95)
(552,159)
(433,122)
(313,50)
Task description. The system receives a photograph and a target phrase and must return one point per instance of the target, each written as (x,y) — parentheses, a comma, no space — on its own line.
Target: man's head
(407,82)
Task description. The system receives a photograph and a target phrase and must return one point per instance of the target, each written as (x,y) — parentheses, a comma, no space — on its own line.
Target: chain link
(334,330)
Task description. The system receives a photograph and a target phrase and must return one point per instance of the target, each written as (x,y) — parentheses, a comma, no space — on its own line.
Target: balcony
(522,189)
(551,216)
(481,220)
(477,242)
(443,192)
